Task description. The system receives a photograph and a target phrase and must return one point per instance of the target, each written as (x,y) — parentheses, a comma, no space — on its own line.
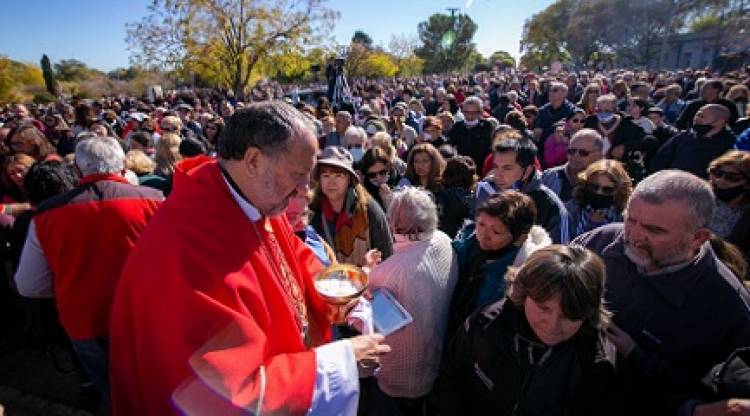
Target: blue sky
(94,31)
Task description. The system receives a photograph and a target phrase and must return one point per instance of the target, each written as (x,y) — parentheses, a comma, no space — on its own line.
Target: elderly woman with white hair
(421,275)
(355,140)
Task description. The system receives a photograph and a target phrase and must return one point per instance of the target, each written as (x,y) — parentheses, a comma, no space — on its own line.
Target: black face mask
(728,194)
(598,201)
(701,129)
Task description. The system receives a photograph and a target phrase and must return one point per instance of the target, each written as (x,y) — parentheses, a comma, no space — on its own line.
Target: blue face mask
(517,185)
(605,116)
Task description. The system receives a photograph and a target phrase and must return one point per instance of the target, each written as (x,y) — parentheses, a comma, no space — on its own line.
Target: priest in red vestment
(215,312)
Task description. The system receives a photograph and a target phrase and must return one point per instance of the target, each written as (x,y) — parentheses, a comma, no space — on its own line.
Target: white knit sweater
(421,275)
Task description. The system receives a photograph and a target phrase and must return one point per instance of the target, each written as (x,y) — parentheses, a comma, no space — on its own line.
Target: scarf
(349,230)
(585,223)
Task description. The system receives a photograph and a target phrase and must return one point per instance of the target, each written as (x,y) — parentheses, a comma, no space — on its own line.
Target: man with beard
(694,149)
(677,309)
(215,311)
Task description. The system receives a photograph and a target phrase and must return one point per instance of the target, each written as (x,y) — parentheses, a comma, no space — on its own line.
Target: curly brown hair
(615,171)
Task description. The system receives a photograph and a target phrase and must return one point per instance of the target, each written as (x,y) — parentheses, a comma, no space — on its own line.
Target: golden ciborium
(338,285)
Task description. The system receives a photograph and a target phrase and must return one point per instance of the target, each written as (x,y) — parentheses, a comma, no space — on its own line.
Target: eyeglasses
(576,120)
(581,152)
(720,173)
(373,175)
(169,129)
(604,190)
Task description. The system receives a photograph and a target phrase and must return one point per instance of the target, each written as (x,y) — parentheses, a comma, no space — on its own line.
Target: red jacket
(86,235)
(200,324)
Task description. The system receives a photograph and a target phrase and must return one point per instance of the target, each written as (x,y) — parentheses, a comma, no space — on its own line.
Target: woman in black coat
(541,350)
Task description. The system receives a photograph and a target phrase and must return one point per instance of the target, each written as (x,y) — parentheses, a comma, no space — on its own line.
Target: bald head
(718,111)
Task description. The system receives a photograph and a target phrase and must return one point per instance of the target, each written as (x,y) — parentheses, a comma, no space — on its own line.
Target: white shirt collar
(250,211)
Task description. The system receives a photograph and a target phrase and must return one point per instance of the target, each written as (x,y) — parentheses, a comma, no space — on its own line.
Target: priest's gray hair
(99,155)
(692,192)
(270,126)
(412,212)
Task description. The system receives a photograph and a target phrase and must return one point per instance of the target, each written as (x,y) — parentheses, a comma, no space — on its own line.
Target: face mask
(357,153)
(471,123)
(380,180)
(517,185)
(605,116)
(701,129)
(598,201)
(728,194)
(427,137)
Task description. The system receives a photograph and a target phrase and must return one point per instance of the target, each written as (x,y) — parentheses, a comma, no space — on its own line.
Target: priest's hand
(367,351)
(372,259)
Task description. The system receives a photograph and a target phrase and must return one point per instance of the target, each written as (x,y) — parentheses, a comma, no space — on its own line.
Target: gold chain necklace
(294,298)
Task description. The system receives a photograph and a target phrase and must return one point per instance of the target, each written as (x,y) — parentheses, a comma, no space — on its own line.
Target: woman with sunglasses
(599,196)
(379,175)
(556,145)
(588,98)
(212,130)
(729,176)
(59,133)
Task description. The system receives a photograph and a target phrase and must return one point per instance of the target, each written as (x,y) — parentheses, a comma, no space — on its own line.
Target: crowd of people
(567,243)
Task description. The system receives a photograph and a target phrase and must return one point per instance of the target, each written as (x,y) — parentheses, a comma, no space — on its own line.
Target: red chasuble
(201,323)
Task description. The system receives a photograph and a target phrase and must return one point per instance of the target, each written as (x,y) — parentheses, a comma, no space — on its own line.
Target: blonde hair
(383,140)
(172,121)
(167,153)
(139,162)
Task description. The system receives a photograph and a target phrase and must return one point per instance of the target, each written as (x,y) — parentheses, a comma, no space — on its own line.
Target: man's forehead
(668,212)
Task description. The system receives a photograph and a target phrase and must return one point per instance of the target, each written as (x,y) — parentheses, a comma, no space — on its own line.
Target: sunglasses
(576,120)
(730,176)
(581,152)
(373,175)
(604,190)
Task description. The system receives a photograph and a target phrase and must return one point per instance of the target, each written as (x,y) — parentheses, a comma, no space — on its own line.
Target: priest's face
(285,175)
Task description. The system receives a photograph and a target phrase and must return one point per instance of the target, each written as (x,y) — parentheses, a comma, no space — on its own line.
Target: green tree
(49,76)
(446,42)
(542,40)
(19,82)
(229,42)
(362,38)
(503,59)
(379,65)
(74,70)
